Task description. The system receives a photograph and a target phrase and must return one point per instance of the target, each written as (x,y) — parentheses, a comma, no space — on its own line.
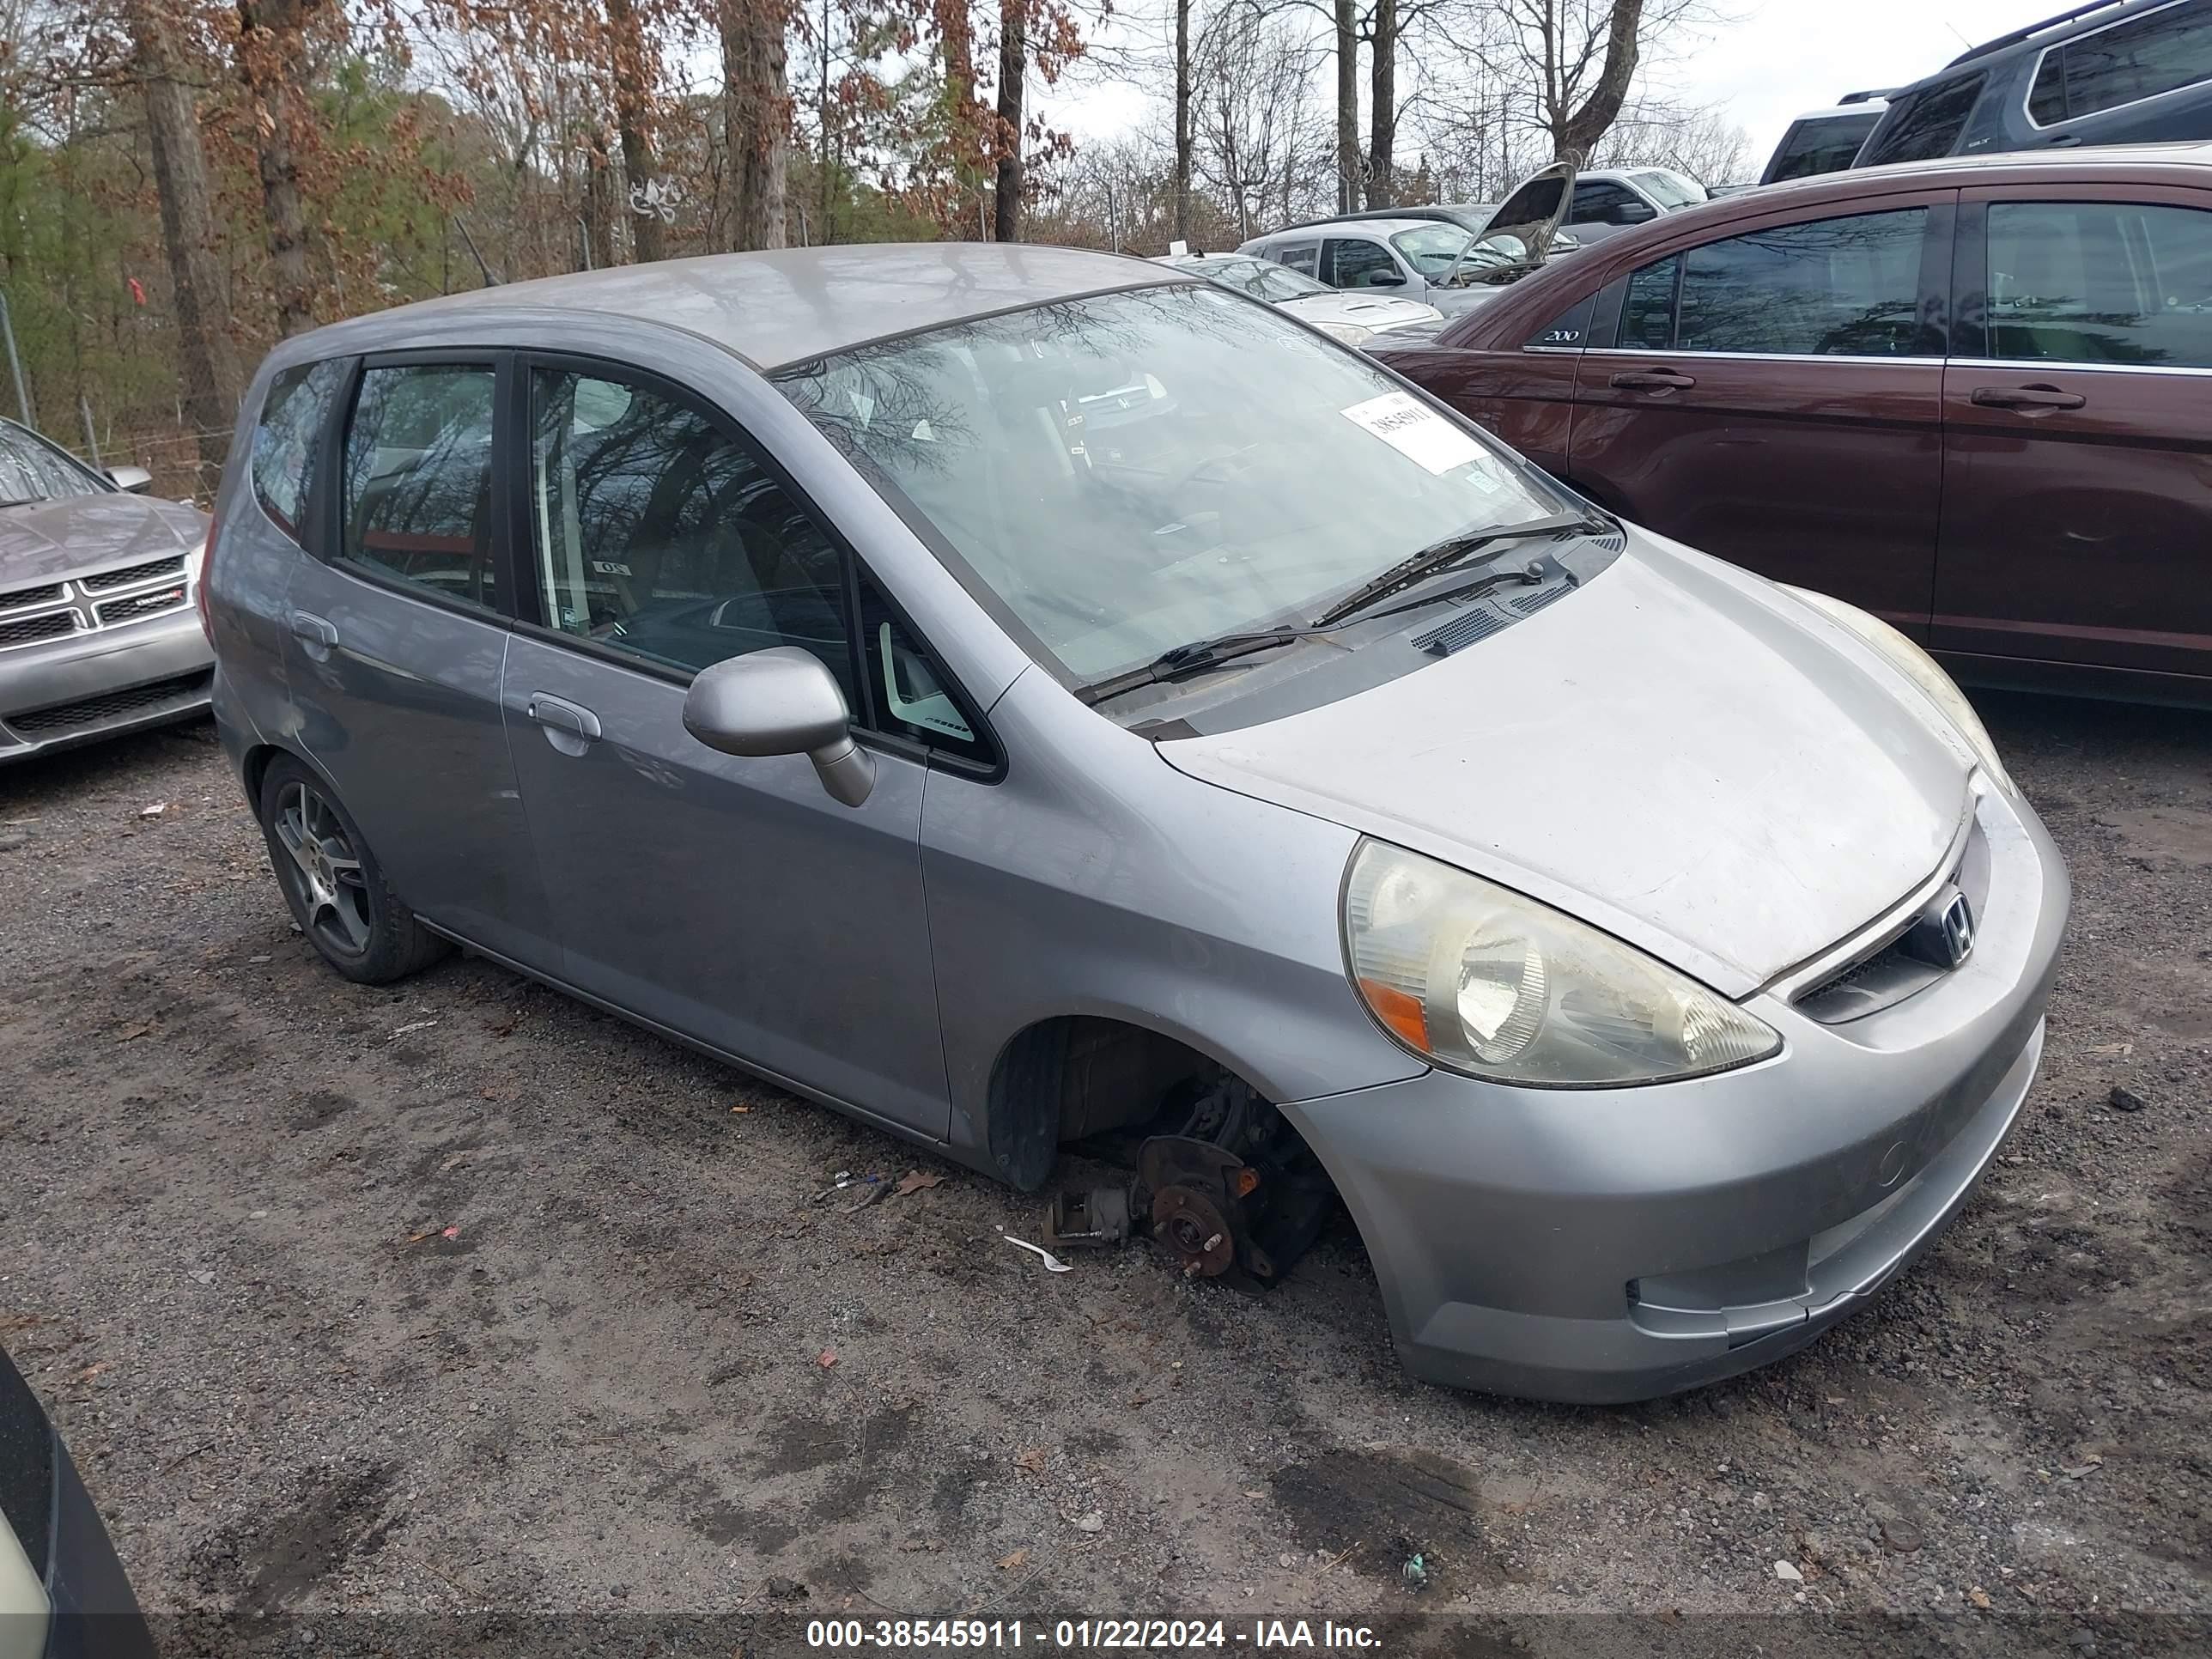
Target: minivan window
(1846,287)
(657,534)
(1923,124)
(417,499)
(1123,474)
(287,438)
(2119,282)
(2160,51)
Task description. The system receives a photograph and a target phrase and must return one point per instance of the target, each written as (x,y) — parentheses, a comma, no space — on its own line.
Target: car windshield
(1431,248)
(1262,279)
(1670,190)
(1126,473)
(32,471)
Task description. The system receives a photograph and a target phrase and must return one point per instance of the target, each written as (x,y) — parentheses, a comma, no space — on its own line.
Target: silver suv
(1010,694)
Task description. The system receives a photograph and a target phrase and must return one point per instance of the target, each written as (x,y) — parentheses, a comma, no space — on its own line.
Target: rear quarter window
(287,438)
(1925,124)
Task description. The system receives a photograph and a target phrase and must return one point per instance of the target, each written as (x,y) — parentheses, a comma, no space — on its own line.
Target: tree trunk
(964,125)
(633,79)
(272,41)
(601,247)
(1382,115)
(1577,135)
(206,358)
(1347,107)
(1182,122)
(755,116)
(1014,66)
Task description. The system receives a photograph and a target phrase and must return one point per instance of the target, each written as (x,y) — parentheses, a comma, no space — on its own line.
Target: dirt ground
(458,1298)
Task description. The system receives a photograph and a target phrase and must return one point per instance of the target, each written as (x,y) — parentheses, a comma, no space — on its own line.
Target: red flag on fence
(137,292)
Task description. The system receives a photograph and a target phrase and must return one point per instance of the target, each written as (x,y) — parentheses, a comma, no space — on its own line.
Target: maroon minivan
(1973,396)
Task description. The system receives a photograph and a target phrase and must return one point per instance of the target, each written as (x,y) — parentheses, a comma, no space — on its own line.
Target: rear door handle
(1654,379)
(2026,396)
(559,714)
(315,633)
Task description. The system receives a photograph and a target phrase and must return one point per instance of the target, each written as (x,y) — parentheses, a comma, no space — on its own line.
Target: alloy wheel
(326,874)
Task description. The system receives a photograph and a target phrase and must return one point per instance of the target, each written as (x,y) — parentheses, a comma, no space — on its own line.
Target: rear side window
(1927,123)
(1844,287)
(1828,145)
(417,480)
(2160,52)
(1298,256)
(285,440)
(2117,282)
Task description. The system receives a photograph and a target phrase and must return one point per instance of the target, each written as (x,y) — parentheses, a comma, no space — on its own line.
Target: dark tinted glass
(1357,264)
(418,479)
(1647,319)
(1926,124)
(657,532)
(2101,282)
(1835,286)
(2160,51)
(1828,145)
(1299,257)
(285,437)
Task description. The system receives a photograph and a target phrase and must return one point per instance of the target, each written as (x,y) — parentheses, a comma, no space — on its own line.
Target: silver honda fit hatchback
(1011,694)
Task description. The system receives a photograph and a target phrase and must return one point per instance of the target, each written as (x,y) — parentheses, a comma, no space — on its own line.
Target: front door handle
(2029,397)
(1654,380)
(315,633)
(559,714)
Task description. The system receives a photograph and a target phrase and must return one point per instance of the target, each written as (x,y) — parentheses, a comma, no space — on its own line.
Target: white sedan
(1352,316)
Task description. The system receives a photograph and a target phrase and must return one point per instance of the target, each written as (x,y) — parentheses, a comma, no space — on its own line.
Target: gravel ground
(459,1296)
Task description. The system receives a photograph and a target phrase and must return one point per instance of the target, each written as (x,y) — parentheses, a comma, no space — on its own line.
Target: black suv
(2115,72)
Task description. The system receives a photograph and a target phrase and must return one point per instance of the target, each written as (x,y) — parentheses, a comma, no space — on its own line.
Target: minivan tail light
(207,570)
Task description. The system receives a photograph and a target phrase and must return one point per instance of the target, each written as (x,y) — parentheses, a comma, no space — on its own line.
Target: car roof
(2090,17)
(781,306)
(1378,229)
(2051,165)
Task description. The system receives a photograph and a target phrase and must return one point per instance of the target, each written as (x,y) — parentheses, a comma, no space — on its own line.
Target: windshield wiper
(1195,658)
(1454,550)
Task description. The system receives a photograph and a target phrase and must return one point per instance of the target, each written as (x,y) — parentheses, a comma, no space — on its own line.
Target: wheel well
(256,768)
(1078,1075)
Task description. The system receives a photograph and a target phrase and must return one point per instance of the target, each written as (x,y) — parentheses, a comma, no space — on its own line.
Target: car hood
(1680,753)
(1377,312)
(46,540)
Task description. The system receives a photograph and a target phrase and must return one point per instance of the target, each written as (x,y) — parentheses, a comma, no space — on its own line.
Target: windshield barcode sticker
(1415,431)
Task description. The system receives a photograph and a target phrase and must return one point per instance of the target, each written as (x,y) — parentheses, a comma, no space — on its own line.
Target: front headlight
(1350,333)
(1479,979)
(1916,665)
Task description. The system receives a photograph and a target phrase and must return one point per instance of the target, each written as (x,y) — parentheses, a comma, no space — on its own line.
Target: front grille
(24,597)
(141,604)
(109,580)
(29,631)
(113,705)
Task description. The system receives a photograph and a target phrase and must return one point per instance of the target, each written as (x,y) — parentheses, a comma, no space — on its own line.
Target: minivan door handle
(1654,379)
(315,633)
(2029,397)
(558,714)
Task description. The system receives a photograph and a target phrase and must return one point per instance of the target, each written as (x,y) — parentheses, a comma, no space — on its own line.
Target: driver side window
(1357,264)
(657,534)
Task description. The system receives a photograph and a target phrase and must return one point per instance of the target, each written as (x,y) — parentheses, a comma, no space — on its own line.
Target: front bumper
(1614,1245)
(103,683)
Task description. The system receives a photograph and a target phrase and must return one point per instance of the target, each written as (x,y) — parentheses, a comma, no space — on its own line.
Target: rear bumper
(102,684)
(1615,1245)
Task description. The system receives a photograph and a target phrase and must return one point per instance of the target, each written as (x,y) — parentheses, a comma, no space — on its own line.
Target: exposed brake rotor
(1190,1224)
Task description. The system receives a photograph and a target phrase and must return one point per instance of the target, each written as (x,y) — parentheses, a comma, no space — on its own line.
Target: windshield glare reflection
(1130,472)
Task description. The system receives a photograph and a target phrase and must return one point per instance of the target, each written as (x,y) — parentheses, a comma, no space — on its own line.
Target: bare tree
(635,67)
(1013,71)
(1182,135)
(1582,57)
(755,118)
(272,40)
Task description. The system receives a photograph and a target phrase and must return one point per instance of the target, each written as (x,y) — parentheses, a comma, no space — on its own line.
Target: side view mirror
(781,702)
(1631,213)
(135,479)
(1386,279)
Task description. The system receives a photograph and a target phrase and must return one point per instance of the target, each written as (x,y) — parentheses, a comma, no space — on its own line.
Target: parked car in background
(2121,72)
(97,633)
(63,1593)
(1973,397)
(1825,139)
(1354,318)
(1599,201)
(1469,216)
(1421,259)
(1103,703)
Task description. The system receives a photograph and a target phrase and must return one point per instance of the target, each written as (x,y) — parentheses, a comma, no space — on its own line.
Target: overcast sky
(1780,58)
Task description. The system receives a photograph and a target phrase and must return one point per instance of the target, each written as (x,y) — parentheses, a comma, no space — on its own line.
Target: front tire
(333,883)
